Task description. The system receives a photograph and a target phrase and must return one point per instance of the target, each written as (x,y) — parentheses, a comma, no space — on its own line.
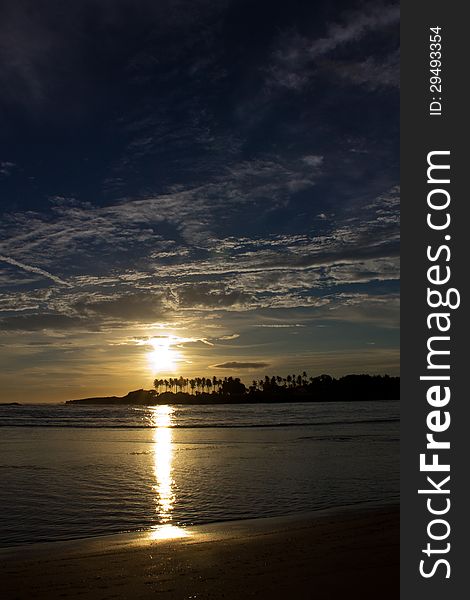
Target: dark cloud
(41,322)
(141,307)
(241,365)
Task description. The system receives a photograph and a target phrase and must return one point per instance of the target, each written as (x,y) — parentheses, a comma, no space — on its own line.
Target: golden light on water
(164,487)
(163,457)
(167,532)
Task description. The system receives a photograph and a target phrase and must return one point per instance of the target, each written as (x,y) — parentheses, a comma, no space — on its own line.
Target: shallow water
(75,471)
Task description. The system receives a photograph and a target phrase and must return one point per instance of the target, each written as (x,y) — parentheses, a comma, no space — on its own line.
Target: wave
(199,425)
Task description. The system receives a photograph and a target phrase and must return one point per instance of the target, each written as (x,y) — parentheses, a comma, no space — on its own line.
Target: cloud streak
(298,59)
(32,269)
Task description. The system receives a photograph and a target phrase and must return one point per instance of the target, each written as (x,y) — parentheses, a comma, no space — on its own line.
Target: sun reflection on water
(164,487)
(167,532)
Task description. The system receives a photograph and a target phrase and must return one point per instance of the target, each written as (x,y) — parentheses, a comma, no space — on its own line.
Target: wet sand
(344,553)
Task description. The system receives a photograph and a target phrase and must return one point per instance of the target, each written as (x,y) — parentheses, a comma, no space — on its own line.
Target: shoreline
(330,551)
(143,536)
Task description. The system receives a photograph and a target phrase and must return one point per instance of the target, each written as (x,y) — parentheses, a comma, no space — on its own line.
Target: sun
(163,358)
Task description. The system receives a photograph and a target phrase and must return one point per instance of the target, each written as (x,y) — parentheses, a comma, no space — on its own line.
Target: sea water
(77,471)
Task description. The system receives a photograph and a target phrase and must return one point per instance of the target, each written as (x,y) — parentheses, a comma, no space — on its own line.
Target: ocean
(71,471)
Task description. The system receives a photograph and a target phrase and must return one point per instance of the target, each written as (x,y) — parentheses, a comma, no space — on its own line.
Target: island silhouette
(231,390)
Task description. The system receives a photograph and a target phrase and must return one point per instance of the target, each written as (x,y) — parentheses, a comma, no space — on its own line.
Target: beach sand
(344,553)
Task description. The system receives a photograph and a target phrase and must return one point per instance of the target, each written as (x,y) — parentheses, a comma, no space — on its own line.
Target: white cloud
(313,160)
(6,167)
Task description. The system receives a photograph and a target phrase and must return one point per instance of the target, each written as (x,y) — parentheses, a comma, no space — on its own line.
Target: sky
(196,187)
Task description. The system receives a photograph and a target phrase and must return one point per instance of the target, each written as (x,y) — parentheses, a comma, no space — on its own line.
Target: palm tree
(181,383)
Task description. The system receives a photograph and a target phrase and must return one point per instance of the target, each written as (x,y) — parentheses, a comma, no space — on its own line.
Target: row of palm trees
(197,385)
(191,386)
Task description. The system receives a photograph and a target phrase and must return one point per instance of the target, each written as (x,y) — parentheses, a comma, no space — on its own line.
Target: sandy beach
(351,552)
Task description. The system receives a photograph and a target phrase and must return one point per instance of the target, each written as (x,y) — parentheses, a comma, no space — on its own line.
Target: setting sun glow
(163,358)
